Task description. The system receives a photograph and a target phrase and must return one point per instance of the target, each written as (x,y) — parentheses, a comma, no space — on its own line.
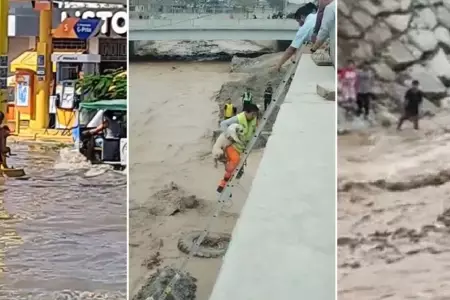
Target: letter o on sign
(119,22)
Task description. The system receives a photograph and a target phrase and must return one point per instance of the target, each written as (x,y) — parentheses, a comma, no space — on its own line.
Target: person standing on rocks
(268,96)
(306,18)
(247,98)
(413,100)
(347,81)
(364,83)
(229,110)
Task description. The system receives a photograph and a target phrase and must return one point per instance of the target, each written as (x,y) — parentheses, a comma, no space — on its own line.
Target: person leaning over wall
(327,31)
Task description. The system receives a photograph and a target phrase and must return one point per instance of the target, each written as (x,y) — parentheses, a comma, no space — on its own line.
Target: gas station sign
(76,28)
(114,22)
(87,28)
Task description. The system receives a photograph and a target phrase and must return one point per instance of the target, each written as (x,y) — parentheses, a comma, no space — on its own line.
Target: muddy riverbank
(203,50)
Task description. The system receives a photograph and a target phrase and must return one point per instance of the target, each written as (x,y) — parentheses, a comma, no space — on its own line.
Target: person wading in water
(413,100)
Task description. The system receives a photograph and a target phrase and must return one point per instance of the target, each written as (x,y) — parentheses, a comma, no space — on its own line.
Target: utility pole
(4,65)
(44,65)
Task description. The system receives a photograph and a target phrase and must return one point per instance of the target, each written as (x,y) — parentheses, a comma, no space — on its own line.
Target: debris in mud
(172,200)
(184,289)
(393,246)
(444,218)
(214,245)
(77,295)
(435,179)
(153,261)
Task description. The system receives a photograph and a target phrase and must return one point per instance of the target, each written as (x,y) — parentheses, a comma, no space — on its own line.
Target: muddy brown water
(393,229)
(173,115)
(63,231)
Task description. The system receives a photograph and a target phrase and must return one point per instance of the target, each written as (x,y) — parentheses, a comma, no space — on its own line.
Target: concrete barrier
(284,243)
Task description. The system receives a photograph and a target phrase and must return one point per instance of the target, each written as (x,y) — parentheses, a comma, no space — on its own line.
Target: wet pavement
(62,231)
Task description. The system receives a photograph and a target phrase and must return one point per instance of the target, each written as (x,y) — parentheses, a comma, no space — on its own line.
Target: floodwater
(173,117)
(62,231)
(393,213)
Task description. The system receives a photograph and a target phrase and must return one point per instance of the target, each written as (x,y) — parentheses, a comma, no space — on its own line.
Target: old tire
(214,245)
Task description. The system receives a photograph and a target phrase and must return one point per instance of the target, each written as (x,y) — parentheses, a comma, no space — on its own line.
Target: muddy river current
(174,113)
(394,213)
(62,231)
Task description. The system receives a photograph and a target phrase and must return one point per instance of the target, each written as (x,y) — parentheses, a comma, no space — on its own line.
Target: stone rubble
(402,40)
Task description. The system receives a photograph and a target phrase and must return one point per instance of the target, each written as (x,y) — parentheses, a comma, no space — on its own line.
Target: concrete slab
(327,90)
(308,75)
(284,243)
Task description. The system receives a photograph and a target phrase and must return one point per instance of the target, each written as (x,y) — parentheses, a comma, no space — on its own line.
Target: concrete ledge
(283,245)
(327,90)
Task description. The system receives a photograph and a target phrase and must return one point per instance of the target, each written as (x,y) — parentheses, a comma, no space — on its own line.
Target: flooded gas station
(63,210)
(62,228)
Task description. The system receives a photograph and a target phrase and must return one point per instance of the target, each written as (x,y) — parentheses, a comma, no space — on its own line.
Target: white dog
(225,139)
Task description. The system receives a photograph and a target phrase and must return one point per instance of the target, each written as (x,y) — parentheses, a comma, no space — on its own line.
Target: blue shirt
(305,32)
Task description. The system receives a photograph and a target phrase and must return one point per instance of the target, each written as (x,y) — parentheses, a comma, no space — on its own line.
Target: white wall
(283,245)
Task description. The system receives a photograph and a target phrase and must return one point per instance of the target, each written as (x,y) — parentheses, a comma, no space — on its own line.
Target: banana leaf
(108,86)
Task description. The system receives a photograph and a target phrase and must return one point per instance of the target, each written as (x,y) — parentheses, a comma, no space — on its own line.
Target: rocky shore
(402,40)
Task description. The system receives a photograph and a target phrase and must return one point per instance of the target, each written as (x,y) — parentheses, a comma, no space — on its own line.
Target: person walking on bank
(229,110)
(247,98)
(268,96)
(364,84)
(413,100)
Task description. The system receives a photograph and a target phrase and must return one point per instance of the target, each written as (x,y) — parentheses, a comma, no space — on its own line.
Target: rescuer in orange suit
(248,121)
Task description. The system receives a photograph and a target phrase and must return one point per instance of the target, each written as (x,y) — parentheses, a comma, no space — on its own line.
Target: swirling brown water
(394,195)
(173,115)
(66,238)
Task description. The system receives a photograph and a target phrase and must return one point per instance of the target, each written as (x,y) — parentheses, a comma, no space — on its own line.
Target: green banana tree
(111,85)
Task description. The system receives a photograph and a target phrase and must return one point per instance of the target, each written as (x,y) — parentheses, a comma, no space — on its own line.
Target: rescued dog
(224,140)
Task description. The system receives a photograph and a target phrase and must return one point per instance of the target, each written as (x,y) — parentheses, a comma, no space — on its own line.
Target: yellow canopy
(28,61)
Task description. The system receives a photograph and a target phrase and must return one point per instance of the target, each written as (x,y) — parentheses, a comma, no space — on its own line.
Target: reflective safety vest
(228,110)
(248,97)
(249,130)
